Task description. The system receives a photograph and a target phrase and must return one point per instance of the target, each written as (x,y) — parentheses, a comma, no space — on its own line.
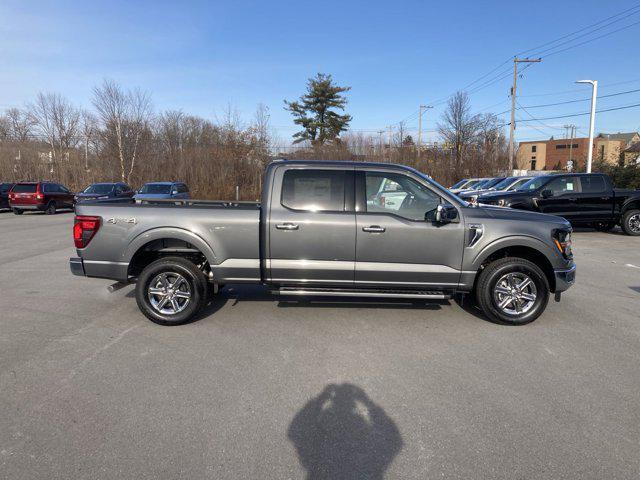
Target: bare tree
(125,116)
(459,128)
(57,121)
(20,124)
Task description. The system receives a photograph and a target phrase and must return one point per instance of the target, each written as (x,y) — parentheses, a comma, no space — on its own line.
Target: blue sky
(203,56)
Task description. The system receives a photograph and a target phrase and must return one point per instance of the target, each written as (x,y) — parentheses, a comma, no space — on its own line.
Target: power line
(579,114)
(635,7)
(583,99)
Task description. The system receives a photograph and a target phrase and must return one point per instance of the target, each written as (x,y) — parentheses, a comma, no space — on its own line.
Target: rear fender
(169,232)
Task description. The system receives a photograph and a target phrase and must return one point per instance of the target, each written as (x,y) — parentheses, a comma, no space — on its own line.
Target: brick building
(554,154)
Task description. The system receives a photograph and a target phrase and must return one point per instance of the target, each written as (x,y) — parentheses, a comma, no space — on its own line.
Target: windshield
(519,183)
(492,183)
(533,184)
(99,188)
(501,185)
(156,188)
(479,184)
(25,188)
(460,183)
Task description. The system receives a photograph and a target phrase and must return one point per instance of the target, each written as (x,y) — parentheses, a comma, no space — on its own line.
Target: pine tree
(313,111)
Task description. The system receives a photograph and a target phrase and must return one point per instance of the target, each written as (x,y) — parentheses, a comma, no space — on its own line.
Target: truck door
(595,201)
(395,246)
(311,227)
(563,199)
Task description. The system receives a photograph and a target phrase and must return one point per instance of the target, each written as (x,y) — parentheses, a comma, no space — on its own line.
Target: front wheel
(51,208)
(170,291)
(17,211)
(512,291)
(604,226)
(631,222)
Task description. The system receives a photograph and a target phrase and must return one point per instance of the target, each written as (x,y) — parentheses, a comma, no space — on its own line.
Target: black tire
(17,211)
(51,208)
(172,267)
(631,222)
(604,226)
(496,271)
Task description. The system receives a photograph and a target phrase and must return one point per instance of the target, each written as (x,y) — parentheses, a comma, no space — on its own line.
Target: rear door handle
(374,229)
(287,226)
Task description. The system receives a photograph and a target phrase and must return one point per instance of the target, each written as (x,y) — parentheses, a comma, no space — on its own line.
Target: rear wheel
(170,291)
(17,211)
(631,222)
(51,208)
(512,291)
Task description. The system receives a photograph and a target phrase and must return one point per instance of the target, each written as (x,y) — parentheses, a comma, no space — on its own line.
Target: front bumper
(77,266)
(565,278)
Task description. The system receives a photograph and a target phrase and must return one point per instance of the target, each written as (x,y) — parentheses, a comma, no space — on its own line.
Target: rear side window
(314,190)
(24,188)
(592,184)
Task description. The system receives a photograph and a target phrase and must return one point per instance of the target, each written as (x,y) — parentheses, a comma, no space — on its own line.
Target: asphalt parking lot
(263,388)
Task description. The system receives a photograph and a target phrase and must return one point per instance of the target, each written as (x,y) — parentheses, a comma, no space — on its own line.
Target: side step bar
(328,292)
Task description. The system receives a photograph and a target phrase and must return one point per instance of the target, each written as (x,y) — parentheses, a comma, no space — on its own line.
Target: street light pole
(592,121)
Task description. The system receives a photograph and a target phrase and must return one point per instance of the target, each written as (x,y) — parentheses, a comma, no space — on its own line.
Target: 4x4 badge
(122,220)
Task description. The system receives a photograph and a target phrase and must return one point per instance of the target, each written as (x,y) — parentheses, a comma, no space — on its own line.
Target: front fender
(477,258)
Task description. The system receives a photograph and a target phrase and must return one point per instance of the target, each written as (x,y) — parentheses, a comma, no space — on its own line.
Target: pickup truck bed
(227,233)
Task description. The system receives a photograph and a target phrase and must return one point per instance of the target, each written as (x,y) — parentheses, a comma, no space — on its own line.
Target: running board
(328,292)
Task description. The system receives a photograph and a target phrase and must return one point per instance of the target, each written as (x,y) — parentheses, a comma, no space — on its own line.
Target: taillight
(39,196)
(84,229)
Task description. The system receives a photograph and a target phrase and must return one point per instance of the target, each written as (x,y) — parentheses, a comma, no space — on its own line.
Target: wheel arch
(522,247)
(153,244)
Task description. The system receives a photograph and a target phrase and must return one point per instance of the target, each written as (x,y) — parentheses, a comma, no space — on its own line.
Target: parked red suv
(43,196)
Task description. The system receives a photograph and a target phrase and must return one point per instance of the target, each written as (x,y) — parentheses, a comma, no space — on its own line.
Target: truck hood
(506,213)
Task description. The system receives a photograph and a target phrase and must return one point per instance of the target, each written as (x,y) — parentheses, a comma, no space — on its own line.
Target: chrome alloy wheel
(634,223)
(169,293)
(515,293)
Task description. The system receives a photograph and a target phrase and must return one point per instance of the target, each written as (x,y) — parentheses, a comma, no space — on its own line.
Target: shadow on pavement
(343,434)
(635,289)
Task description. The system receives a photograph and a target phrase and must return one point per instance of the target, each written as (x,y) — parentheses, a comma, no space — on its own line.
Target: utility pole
(422,107)
(512,125)
(390,140)
(592,120)
(573,134)
(380,132)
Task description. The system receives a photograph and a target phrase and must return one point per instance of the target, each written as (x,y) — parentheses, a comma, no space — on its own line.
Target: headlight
(562,241)
(502,202)
(103,197)
(473,199)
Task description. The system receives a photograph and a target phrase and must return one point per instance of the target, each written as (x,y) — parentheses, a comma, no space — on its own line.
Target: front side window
(400,195)
(563,185)
(314,190)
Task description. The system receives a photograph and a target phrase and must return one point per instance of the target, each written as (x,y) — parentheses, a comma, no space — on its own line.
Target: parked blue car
(161,190)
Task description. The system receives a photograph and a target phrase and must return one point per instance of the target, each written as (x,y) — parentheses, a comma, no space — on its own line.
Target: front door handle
(287,226)
(374,229)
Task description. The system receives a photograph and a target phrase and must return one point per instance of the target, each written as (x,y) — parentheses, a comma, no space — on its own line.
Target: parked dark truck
(320,230)
(582,198)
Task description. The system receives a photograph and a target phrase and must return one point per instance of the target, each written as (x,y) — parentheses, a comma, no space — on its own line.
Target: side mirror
(546,193)
(446,214)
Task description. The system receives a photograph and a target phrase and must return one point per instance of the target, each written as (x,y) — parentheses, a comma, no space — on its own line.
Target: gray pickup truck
(326,229)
